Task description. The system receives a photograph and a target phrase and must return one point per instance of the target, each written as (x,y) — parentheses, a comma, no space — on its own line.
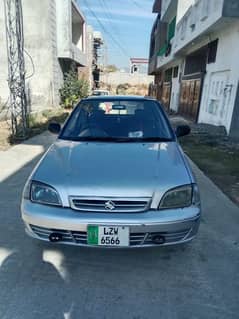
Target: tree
(73,89)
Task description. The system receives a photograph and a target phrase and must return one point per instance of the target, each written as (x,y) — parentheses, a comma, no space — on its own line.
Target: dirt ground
(215,154)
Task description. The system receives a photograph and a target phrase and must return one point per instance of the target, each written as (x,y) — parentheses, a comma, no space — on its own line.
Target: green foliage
(73,89)
(38,122)
(32,120)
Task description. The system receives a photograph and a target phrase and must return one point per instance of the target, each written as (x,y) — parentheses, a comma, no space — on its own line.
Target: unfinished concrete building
(55,38)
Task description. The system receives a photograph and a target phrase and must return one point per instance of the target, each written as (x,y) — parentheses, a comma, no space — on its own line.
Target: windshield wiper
(118,139)
(92,138)
(156,139)
(141,139)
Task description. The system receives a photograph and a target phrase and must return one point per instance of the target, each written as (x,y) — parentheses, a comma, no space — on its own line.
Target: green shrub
(73,89)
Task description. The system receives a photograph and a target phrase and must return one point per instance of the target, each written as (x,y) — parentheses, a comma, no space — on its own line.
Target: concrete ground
(37,280)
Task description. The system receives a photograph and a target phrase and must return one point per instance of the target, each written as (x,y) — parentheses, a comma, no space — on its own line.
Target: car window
(117,119)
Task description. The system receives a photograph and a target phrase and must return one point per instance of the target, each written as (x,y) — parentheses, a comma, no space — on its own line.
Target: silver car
(115,177)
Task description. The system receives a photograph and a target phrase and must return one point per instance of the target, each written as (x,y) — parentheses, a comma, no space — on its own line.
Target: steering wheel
(93,130)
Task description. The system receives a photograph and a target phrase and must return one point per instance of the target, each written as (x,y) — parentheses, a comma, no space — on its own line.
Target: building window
(77,29)
(175,72)
(196,62)
(168,75)
(152,47)
(163,50)
(171,29)
(212,51)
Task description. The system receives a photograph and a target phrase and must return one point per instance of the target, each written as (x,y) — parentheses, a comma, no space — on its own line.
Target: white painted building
(196,66)
(55,37)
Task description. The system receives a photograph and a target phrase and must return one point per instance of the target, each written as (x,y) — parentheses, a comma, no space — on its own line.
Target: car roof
(120,98)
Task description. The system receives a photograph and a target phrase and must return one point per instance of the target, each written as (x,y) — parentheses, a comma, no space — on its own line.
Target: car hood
(113,169)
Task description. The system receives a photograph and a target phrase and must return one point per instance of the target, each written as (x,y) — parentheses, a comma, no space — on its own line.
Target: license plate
(108,236)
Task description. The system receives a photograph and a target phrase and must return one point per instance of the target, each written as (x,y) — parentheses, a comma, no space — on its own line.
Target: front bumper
(176,226)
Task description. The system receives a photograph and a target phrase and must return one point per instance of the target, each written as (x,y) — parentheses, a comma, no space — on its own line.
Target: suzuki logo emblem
(110,205)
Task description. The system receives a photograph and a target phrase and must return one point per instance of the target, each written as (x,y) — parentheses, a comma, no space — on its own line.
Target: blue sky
(128,22)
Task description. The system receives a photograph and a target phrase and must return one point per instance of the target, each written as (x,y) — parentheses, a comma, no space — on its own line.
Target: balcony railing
(152,64)
(198,19)
(165,53)
(78,55)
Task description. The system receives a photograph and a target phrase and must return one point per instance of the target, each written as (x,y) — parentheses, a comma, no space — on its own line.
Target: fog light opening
(55,237)
(158,239)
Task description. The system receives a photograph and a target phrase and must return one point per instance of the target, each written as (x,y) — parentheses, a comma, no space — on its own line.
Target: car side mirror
(54,128)
(182,130)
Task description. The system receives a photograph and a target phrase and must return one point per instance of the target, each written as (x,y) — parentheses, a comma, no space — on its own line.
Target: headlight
(177,198)
(27,190)
(196,196)
(44,194)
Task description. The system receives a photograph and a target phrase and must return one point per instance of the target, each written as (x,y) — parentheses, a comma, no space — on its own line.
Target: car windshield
(117,120)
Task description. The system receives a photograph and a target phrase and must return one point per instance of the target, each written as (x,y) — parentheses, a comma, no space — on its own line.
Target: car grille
(147,238)
(136,239)
(114,205)
(67,236)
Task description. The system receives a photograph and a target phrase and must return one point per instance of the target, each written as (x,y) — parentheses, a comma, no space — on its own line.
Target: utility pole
(16,67)
(98,42)
(106,62)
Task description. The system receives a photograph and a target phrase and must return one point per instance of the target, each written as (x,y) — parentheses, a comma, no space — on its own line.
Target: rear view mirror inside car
(118,107)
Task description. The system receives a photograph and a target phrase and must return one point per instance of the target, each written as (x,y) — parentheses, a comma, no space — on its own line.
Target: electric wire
(106,31)
(110,17)
(32,63)
(137,5)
